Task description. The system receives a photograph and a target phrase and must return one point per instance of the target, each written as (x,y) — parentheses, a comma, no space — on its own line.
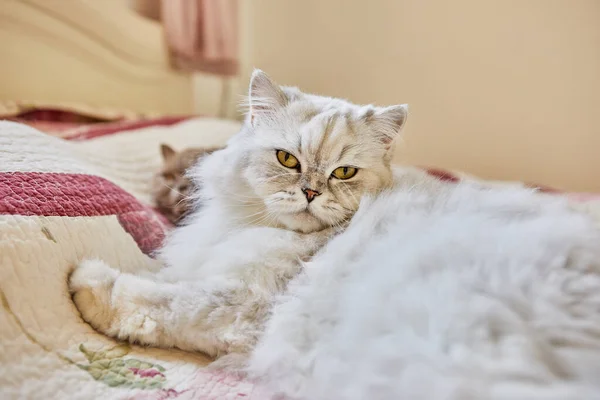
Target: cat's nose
(310,194)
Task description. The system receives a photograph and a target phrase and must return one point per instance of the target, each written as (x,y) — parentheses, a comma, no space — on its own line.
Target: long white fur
(434,290)
(457,293)
(224,267)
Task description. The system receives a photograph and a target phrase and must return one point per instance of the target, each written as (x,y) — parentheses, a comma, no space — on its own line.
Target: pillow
(79,121)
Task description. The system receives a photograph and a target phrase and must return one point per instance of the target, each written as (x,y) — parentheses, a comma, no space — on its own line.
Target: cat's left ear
(387,122)
(264,95)
(167,152)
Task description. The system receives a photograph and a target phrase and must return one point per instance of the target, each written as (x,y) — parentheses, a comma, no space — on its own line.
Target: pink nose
(310,194)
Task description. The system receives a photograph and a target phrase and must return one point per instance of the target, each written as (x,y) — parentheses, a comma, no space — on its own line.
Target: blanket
(63,201)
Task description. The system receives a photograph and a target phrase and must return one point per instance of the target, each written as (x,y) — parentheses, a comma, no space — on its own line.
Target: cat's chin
(303,221)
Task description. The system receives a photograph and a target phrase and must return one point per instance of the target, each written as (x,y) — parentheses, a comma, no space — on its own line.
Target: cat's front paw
(91,285)
(108,302)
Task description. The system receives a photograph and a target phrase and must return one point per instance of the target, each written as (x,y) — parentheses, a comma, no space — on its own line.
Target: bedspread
(63,201)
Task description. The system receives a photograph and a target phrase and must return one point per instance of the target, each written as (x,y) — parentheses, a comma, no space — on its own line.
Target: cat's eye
(287,160)
(168,176)
(344,172)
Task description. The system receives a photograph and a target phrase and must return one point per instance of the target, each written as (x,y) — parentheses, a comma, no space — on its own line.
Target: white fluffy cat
(433,291)
(449,292)
(271,199)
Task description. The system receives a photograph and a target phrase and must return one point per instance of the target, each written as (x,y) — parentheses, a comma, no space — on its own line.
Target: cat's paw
(91,285)
(109,306)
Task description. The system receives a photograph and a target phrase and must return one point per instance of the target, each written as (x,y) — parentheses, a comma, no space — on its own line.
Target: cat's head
(308,158)
(172,187)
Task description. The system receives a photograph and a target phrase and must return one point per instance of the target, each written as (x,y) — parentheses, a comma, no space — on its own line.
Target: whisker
(242,205)
(345,186)
(185,198)
(263,180)
(240,196)
(260,219)
(173,189)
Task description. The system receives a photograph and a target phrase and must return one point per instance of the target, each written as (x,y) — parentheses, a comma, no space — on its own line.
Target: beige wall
(504,89)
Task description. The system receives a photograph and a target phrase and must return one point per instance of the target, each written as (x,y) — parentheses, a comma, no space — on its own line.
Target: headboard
(94,52)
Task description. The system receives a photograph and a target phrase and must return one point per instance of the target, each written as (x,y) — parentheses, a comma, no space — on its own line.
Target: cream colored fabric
(46,350)
(129,159)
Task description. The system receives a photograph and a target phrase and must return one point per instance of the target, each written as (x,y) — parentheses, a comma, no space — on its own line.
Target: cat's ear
(387,122)
(264,95)
(167,152)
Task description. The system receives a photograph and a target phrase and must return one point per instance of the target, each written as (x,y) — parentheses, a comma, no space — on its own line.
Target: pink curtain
(202,35)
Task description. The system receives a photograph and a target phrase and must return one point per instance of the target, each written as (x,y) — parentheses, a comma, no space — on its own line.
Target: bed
(64,200)
(61,201)
(89,94)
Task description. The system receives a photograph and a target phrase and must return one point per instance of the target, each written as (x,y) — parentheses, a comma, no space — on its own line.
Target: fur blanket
(63,201)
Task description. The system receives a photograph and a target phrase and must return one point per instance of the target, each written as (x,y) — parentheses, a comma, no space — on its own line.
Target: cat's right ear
(264,95)
(167,152)
(387,122)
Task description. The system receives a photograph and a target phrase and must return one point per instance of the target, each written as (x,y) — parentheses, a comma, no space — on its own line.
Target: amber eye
(344,172)
(168,176)
(287,160)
